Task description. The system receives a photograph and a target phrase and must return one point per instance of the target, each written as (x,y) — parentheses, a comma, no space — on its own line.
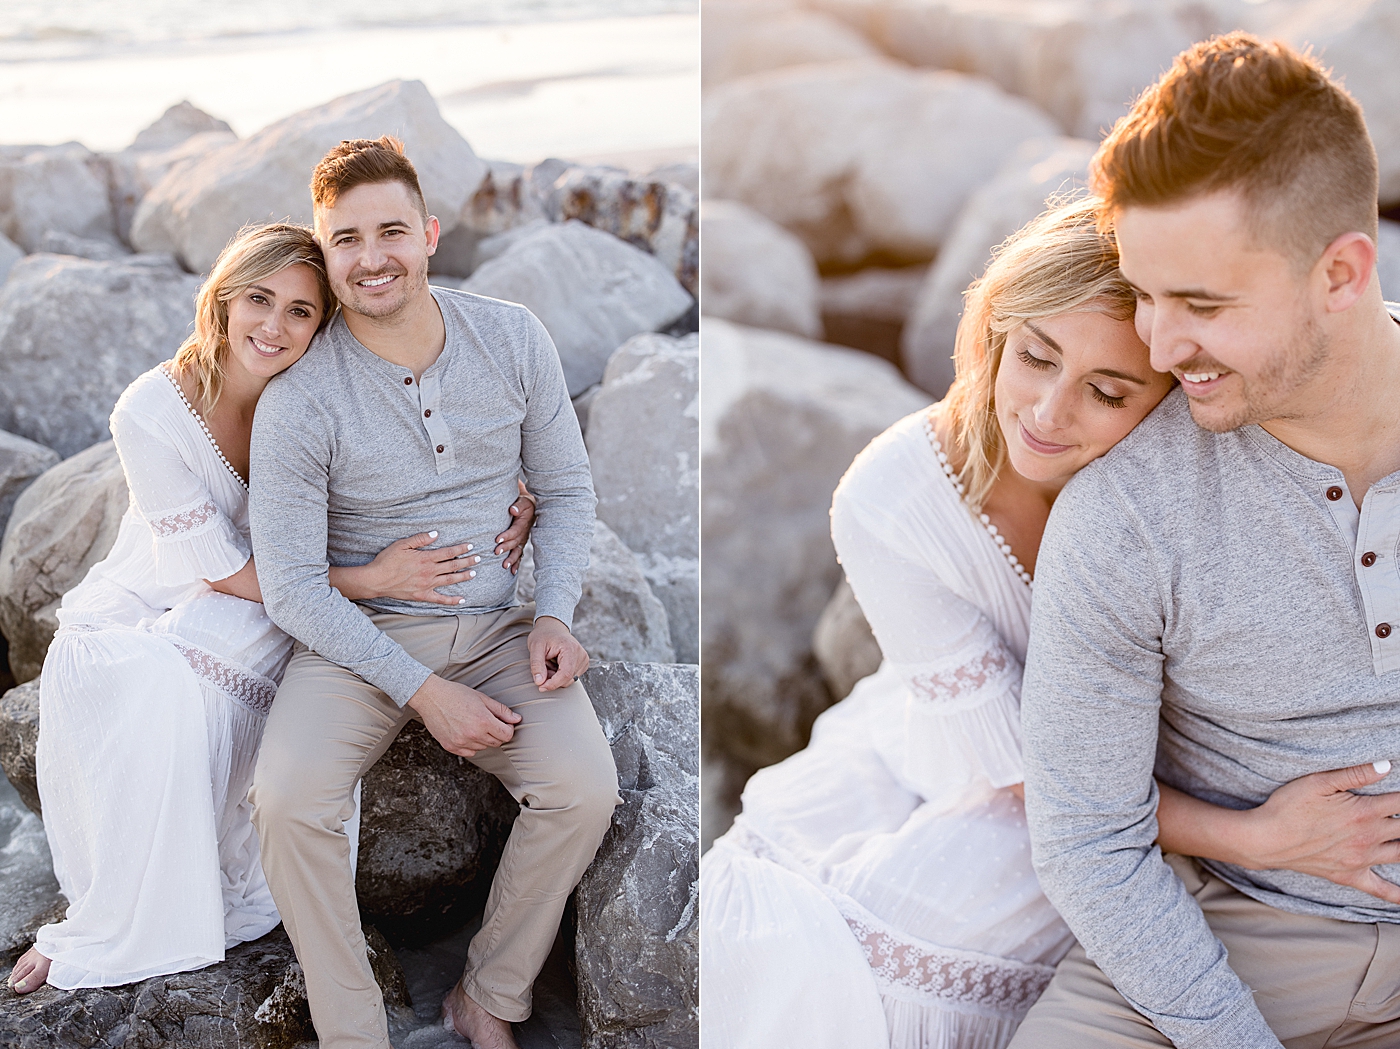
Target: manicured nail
(1382,767)
(470,547)
(471,575)
(432,535)
(461,600)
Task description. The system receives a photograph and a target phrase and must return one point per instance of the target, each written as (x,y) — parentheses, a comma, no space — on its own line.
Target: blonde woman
(877,888)
(156,687)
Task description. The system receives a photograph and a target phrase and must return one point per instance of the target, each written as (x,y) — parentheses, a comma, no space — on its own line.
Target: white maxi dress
(152,703)
(877,890)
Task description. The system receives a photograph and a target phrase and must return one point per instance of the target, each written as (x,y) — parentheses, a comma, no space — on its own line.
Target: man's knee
(585,790)
(290,791)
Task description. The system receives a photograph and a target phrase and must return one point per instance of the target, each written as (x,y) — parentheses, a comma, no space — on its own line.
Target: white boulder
(783,419)
(10,253)
(46,188)
(643,447)
(180,122)
(739,38)
(844,644)
(756,272)
(861,158)
(21,461)
(134,172)
(194,211)
(592,291)
(74,332)
(1039,171)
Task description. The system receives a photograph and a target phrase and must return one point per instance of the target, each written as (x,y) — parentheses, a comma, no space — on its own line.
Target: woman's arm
(1314,825)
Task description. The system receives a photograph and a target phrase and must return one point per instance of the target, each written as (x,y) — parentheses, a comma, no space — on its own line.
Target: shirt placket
(429,390)
(1376,561)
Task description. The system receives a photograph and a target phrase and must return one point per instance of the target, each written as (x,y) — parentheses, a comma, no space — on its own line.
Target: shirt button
(1368,559)
(440,447)
(427,412)
(1334,493)
(1383,630)
(408,381)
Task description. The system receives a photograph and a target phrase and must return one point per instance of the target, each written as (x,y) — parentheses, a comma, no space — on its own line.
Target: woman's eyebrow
(1039,334)
(1045,338)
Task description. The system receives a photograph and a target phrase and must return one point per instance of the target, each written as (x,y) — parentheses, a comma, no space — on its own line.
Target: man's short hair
(362,161)
(1261,119)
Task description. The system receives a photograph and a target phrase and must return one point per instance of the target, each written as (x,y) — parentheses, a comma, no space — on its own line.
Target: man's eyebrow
(382,226)
(1200,293)
(273,295)
(1043,337)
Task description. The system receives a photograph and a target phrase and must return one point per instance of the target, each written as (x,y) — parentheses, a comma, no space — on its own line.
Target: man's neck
(1351,419)
(412,338)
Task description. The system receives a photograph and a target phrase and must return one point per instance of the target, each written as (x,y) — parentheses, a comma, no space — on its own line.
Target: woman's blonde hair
(1058,263)
(254,254)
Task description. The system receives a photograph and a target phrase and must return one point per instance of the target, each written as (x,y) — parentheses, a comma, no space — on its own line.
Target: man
(1215,598)
(416,410)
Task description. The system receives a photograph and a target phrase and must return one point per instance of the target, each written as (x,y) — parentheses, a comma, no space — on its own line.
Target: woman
(877,888)
(157,684)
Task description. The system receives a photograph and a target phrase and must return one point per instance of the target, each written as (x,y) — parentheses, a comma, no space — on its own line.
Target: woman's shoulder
(150,402)
(896,463)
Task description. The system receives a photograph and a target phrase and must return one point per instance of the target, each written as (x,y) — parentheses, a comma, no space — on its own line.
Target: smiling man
(1218,597)
(415,411)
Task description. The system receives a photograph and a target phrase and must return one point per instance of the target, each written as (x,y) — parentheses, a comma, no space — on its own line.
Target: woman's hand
(1314,825)
(409,570)
(512,541)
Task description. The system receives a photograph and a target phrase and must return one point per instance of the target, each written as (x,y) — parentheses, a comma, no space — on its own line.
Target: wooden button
(1334,493)
(1368,559)
(440,447)
(427,412)
(1383,630)
(408,381)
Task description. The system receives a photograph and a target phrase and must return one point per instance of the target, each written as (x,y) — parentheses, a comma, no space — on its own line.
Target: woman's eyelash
(1103,398)
(1025,357)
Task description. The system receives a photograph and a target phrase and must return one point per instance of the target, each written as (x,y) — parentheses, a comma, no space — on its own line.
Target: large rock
(134,171)
(10,253)
(844,644)
(194,211)
(21,461)
(53,187)
(618,616)
(432,828)
(177,124)
(783,419)
(1081,61)
(1388,262)
(31,897)
(19,733)
(1040,170)
(75,332)
(756,272)
(867,309)
(863,158)
(643,447)
(592,290)
(256,998)
(61,525)
(658,217)
(1357,40)
(739,38)
(637,942)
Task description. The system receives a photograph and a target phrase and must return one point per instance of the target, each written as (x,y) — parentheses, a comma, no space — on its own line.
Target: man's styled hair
(1235,113)
(362,161)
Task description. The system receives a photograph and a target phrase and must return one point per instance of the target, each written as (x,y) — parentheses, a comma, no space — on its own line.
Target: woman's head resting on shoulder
(265,298)
(1050,370)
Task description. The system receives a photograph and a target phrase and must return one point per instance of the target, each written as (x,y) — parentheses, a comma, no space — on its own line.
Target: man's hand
(556,657)
(462,719)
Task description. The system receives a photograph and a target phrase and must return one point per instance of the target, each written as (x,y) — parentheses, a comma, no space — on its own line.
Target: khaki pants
(1318,981)
(328,726)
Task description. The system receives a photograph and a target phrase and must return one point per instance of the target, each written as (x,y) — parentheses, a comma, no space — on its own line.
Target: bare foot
(475,1024)
(29,972)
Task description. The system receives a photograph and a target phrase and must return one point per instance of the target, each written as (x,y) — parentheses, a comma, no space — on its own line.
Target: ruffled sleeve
(193,538)
(961,722)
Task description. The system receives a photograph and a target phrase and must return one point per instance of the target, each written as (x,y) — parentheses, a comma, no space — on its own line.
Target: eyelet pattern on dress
(986,521)
(200,419)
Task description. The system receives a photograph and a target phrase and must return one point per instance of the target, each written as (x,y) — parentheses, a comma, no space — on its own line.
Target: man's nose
(1169,343)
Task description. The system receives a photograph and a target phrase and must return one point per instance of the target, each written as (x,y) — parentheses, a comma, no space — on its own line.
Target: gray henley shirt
(349,454)
(1202,612)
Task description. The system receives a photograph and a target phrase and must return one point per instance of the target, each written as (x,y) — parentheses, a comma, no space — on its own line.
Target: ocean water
(520,79)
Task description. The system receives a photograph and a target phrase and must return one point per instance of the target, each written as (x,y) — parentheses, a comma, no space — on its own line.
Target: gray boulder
(739,37)
(21,461)
(844,644)
(592,291)
(194,211)
(637,943)
(783,419)
(10,253)
(756,272)
(75,332)
(56,242)
(19,732)
(643,447)
(618,616)
(134,171)
(1388,260)
(53,187)
(61,525)
(684,173)
(256,997)
(177,124)
(31,897)
(1041,170)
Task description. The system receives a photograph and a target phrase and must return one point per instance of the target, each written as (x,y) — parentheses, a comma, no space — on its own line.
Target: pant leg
(326,728)
(559,766)
(1306,974)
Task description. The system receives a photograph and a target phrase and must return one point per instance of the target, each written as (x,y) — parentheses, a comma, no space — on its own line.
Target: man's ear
(1347,265)
(433,230)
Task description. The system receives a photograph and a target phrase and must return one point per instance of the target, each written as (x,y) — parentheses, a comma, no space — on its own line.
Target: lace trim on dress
(185,520)
(968,678)
(241,685)
(914,970)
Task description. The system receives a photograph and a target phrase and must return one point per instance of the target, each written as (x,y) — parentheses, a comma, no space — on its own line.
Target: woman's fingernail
(470,547)
(432,535)
(1382,767)
(471,575)
(461,600)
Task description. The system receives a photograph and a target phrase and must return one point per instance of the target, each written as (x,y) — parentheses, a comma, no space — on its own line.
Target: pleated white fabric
(152,703)
(913,860)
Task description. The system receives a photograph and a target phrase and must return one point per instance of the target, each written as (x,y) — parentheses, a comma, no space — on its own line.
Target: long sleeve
(1090,706)
(555,464)
(194,539)
(287,508)
(961,721)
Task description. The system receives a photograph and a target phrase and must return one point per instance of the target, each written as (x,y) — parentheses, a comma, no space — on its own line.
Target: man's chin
(1220,417)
